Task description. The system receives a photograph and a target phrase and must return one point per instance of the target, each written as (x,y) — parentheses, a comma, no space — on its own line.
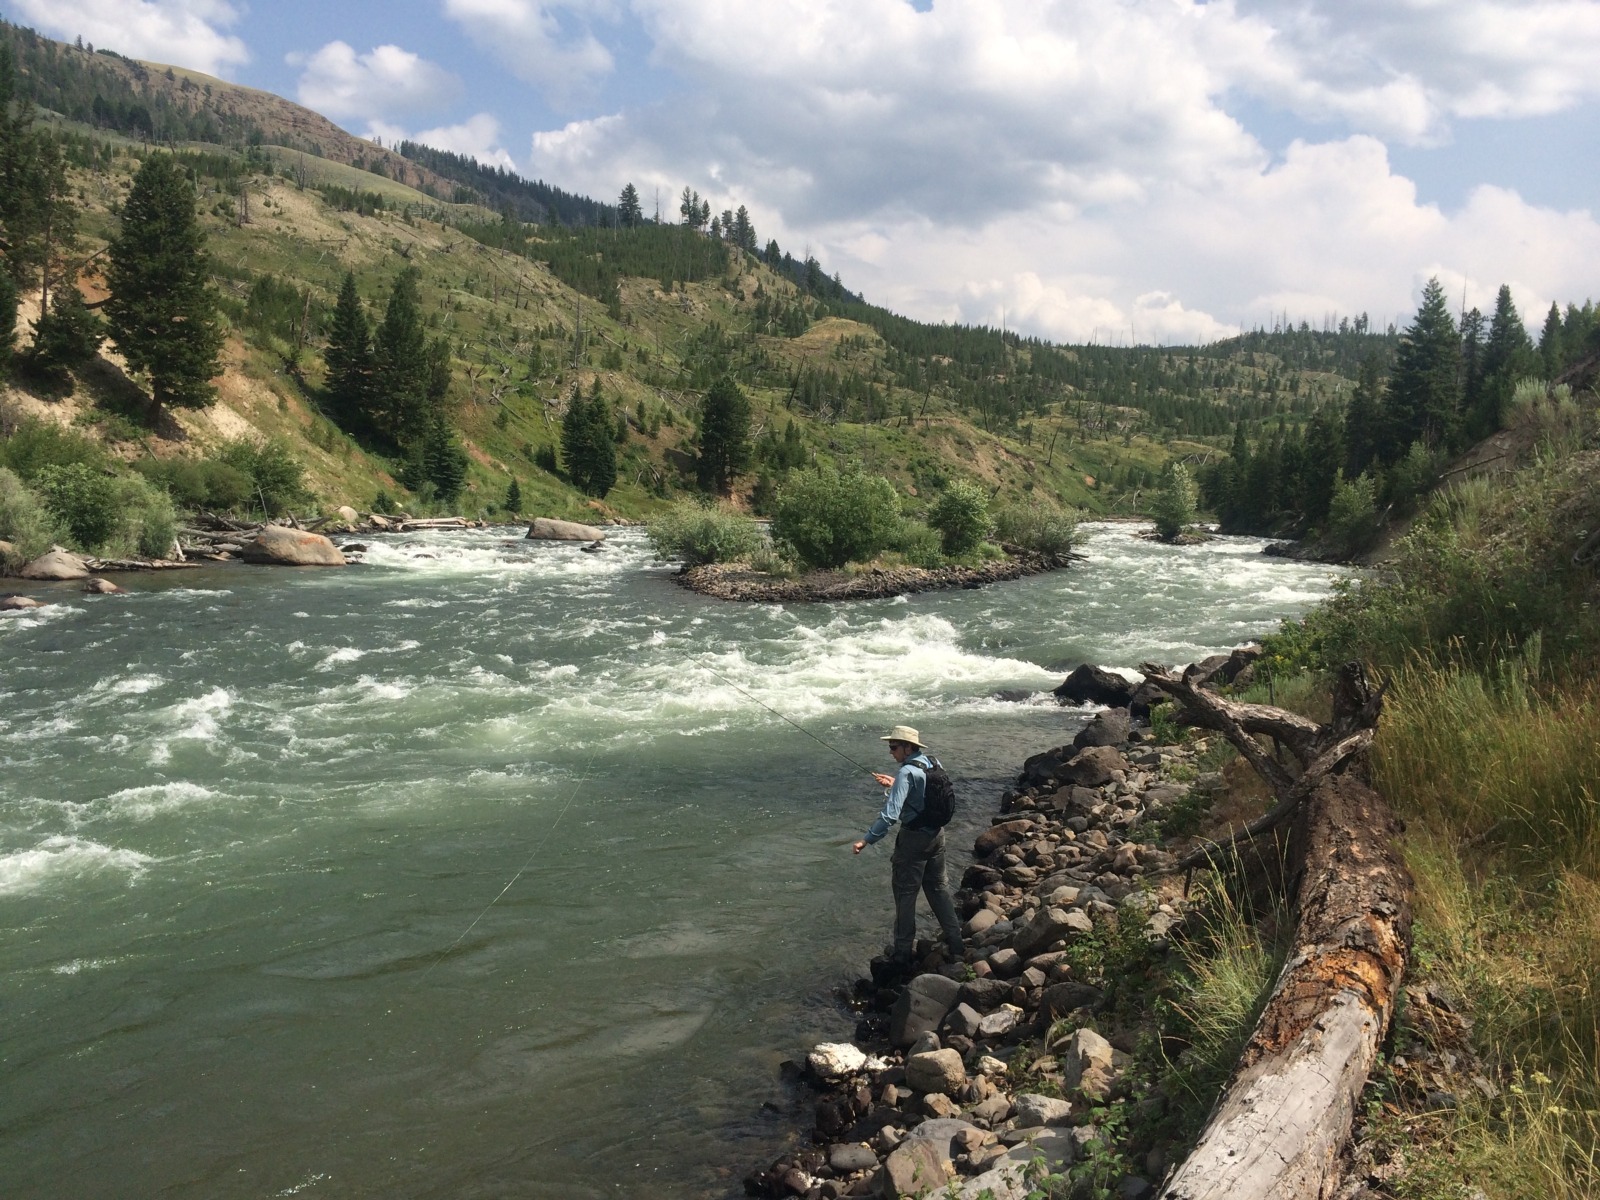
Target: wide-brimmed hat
(904,733)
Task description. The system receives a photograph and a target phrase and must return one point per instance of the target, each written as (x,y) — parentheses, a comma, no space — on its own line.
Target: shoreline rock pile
(927,1100)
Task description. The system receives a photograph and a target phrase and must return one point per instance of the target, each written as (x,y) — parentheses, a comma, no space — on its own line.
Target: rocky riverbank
(738,581)
(974,1079)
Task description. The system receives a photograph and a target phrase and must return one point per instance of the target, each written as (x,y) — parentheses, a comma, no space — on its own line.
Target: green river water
(257,826)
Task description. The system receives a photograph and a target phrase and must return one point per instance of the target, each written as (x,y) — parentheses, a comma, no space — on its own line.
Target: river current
(481,869)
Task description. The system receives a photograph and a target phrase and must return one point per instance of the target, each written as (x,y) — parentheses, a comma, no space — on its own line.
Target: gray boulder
(1110,728)
(1092,767)
(58,564)
(544,529)
(14,603)
(1090,1065)
(921,1007)
(1095,685)
(942,1132)
(847,1159)
(917,1167)
(1035,1110)
(95,586)
(279,546)
(1047,928)
(939,1071)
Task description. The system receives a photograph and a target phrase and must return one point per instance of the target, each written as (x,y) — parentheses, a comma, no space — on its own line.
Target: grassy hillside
(654,313)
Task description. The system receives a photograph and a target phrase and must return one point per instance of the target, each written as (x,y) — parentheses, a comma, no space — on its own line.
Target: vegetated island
(740,581)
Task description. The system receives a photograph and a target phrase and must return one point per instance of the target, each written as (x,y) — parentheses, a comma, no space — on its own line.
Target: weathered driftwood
(1285,1114)
(1279,1126)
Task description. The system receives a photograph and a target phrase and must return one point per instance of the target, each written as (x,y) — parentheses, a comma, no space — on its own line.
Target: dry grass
(1496,777)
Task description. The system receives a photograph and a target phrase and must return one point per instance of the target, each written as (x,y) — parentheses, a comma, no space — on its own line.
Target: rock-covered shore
(737,581)
(963,1080)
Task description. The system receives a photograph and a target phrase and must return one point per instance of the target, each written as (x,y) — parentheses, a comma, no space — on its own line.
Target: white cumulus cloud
(383,83)
(477,137)
(1072,168)
(547,43)
(184,33)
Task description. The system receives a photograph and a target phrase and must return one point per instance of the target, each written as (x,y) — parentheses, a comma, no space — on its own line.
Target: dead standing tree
(1280,1123)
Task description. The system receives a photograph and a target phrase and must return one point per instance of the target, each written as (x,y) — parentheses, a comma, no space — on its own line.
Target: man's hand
(859,847)
(885,780)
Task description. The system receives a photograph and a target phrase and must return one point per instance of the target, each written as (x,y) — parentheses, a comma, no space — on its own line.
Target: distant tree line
(1450,385)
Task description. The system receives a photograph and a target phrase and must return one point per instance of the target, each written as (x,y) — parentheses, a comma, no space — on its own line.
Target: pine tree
(65,338)
(401,366)
(444,462)
(724,441)
(349,361)
(588,446)
(8,320)
(1423,398)
(628,210)
(1550,349)
(513,502)
(1471,365)
(163,310)
(1507,357)
(1363,418)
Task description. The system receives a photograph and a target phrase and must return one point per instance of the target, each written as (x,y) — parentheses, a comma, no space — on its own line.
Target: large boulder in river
(95,586)
(16,603)
(544,529)
(279,546)
(58,564)
(1094,685)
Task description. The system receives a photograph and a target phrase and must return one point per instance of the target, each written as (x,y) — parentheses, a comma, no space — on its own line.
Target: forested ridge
(522,296)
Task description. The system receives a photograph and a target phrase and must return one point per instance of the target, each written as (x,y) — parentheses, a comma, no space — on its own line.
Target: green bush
(34,445)
(199,484)
(1039,527)
(920,545)
(1412,476)
(117,516)
(694,534)
(25,522)
(83,499)
(829,518)
(1353,514)
(961,516)
(1173,506)
(146,524)
(276,477)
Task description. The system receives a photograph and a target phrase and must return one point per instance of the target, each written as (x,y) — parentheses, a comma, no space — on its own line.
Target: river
(481,869)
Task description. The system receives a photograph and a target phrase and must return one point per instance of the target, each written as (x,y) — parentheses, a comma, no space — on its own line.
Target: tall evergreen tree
(1423,397)
(349,361)
(1550,349)
(8,320)
(744,233)
(629,211)
(588,446)
(1471,366)
(724,440)
(1363,418)
(1507,357)
(401,366)
(163,310)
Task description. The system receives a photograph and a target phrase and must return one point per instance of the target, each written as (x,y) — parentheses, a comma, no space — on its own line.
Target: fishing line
(781,717)
(583,778)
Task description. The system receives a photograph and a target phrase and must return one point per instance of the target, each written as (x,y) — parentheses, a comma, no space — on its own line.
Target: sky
(1116,171)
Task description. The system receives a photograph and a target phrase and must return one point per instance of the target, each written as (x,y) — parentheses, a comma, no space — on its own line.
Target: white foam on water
(157,799)
(18,620)
(199,719)
(348,654)
(79,965)
(64,858)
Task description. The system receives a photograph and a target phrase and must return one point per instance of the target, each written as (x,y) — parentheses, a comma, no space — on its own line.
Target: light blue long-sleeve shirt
(904,797)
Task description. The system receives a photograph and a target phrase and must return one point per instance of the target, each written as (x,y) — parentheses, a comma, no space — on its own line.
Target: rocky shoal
(738,581)
(924,1101)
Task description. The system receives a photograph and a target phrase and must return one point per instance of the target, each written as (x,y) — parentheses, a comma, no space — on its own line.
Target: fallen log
(1287,1111)
(1280,1123)
(137,564)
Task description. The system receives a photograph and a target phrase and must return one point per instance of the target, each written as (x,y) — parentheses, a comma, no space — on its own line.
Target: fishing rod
(781,717)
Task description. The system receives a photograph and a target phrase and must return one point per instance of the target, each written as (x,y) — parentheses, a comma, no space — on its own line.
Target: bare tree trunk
(1279,1126)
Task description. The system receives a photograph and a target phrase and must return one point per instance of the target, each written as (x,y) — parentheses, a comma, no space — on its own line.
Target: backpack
(938,799)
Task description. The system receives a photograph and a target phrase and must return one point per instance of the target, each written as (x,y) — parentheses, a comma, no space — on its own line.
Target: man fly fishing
(920,800)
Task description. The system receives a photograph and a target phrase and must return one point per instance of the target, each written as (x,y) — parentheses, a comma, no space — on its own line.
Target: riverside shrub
(34,445)
(920,545)
(695,534)
(25,522)
(199,483)
(276,477)
(829,518)
(1039,527)
(1173,507)
(83,499)
(961,516)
